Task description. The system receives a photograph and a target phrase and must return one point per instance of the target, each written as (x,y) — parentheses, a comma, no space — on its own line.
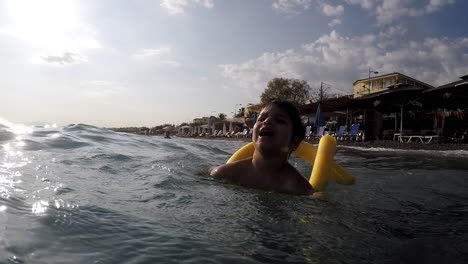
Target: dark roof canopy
(329,105)
(450,96)
(393,98)
(457,84)
(392,91)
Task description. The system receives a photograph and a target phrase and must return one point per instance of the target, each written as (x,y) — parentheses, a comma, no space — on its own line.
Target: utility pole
(321,92)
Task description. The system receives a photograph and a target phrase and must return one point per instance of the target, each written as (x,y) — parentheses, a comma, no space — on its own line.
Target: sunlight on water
(40,207)
(55,135)
(18,129)
(50,126)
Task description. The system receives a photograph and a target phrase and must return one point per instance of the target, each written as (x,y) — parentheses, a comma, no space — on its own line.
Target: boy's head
(298,130)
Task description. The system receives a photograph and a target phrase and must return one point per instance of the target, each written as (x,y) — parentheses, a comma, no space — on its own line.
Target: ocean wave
(66,142)
(6,136)
(81,127)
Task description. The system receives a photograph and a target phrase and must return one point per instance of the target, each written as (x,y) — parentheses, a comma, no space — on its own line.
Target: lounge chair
(353,132)
(340,133)
(320,132)
(308,132)
(213,134)
(245,133)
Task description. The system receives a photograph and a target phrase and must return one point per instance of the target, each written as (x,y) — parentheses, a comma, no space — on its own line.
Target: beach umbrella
(319,119)
(210,121)
(230,127)
(224,129)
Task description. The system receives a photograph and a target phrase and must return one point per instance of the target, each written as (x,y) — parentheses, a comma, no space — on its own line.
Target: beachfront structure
(407,110)
(201,120)
(252,108)
(401,110)
(381,83)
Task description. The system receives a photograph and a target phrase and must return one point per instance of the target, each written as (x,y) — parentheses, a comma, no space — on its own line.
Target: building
(201,120)
(381,83)
(251,108)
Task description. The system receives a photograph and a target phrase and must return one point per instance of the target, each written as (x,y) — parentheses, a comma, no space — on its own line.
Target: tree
(221,116)
(240,112)
(322,93)
(291,90)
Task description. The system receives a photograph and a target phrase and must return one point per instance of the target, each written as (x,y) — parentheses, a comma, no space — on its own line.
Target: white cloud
(290,6)
(143,53)
(330,10)
(366,4)
(64,59)
(334,22)
(342,60)
(178,7)
(208,3)
(435,5)
(158,56)
(388,11)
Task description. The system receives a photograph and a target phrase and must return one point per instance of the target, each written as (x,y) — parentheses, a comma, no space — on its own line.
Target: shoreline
(383,144)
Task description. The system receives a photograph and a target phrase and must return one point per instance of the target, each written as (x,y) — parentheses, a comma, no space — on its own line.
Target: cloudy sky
(148,62)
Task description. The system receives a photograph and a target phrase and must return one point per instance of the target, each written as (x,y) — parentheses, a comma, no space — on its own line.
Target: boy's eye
(281,121)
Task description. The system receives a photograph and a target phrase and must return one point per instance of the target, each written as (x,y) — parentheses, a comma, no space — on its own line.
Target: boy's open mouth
(266,133)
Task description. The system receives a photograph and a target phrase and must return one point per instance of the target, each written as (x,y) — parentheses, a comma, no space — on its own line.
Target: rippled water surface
(81,194)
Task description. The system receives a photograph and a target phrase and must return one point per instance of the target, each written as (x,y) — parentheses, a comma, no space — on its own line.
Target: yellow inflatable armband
(321,158)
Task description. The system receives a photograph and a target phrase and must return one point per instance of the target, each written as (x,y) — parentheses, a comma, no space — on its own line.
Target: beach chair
(320,132)
(308,132)
(353,132)
(214,133)
(340,133)
(245,133)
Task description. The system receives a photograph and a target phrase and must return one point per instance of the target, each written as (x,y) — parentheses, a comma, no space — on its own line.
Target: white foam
(451,153)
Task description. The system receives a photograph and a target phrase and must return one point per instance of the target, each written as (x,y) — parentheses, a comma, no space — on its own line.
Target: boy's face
(273,131)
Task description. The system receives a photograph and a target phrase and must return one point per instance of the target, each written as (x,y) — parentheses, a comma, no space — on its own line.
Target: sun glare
(48,23)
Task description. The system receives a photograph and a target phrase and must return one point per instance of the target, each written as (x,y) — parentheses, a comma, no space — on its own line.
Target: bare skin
(268,169)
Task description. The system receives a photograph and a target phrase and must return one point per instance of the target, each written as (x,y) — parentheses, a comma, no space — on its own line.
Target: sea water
(82,194)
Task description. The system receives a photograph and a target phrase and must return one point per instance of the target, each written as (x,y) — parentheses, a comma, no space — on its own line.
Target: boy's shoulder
(295,183)
(232,170)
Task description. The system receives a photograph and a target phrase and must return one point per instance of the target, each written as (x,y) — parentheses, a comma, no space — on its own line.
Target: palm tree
(222,116)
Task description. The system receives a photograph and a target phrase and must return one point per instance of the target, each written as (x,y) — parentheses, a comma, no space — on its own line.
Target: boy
(276,134)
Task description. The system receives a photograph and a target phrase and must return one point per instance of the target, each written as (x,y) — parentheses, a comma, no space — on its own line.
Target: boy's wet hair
(293,114)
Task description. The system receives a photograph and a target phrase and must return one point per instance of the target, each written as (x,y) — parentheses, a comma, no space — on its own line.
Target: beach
(381,144)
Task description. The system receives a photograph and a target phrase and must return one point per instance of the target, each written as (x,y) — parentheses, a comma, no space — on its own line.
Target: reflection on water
(90,195)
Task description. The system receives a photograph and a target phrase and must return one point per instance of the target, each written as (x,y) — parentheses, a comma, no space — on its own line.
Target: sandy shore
(397,145)
(375,144)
